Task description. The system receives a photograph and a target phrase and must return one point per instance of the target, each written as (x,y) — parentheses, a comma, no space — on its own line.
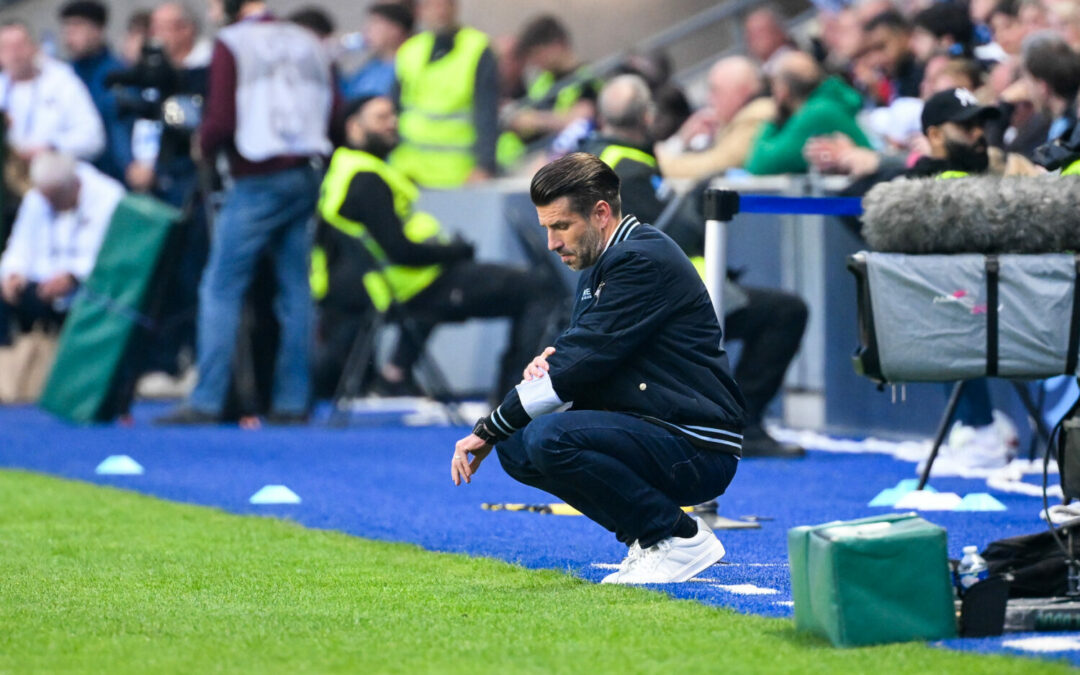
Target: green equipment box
(872,581)
(94,360)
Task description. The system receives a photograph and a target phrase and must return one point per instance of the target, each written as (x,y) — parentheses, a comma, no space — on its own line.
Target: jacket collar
(625,227)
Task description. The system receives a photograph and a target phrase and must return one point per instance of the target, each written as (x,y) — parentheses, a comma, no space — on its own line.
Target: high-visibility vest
(436,123)
(387,282)
(948,175)
(613,154)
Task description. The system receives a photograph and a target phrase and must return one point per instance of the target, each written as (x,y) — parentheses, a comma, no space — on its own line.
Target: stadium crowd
(412,99)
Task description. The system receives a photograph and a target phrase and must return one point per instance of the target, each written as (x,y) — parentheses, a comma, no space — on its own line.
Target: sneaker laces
(652,556)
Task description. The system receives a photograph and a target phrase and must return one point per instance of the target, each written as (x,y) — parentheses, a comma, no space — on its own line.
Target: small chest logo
(586,294)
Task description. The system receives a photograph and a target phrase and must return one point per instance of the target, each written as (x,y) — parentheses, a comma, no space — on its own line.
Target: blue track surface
(392,483)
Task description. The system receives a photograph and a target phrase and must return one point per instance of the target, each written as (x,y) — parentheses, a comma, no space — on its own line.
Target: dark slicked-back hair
(581,177)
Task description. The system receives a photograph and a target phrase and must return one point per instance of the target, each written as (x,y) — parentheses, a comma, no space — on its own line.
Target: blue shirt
(376,78)
(92,70)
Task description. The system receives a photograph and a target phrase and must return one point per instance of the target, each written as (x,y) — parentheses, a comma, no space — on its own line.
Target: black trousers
(472,290)
(626,474)
(770,326)
(29,310)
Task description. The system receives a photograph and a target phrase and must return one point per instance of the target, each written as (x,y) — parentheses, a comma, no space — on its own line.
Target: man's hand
(57,287)
(140,176)
(12,287)
(460,466)
(538,367)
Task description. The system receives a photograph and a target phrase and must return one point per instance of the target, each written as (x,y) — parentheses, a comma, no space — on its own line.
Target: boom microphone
(984,214)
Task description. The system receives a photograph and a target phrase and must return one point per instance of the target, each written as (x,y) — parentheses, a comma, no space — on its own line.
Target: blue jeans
(268,213)
(626,474)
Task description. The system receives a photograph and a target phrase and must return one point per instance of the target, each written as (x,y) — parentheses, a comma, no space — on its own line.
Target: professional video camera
(154,89)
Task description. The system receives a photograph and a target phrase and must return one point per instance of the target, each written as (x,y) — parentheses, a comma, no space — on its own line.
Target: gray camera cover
(930,315)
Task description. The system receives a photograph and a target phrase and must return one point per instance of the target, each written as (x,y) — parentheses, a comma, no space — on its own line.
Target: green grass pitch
(103,580)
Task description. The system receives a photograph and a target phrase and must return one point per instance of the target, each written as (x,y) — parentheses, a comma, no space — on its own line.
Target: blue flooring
(392,483)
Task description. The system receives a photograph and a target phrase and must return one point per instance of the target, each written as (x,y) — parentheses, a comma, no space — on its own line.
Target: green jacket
(830,109)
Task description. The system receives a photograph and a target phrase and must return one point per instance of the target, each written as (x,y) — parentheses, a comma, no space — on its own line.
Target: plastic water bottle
(971,570)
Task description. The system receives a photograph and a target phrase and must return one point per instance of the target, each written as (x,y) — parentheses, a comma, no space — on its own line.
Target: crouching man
(633,411)
(59,228)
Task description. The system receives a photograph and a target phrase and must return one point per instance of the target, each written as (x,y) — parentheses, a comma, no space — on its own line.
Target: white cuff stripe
(501,426)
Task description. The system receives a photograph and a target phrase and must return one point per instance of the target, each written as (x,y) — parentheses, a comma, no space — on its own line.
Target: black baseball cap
(955,105)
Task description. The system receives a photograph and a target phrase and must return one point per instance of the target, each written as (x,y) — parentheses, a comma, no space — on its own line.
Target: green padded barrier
(872,581)
(107,312)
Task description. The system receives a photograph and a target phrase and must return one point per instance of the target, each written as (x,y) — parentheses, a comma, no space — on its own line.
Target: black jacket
(643,340)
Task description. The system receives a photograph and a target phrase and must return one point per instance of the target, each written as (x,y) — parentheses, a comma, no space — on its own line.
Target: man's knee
(543,440)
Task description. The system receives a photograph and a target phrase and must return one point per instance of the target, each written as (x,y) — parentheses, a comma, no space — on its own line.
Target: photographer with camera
(164,91)
(171,71)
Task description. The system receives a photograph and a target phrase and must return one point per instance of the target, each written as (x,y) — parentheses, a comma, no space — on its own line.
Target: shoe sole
(707,559)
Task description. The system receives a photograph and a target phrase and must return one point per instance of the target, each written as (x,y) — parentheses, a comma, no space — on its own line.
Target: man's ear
(602,210)
(936,136)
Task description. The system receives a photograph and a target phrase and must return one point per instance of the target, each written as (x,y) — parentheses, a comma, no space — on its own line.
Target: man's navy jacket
(643,340)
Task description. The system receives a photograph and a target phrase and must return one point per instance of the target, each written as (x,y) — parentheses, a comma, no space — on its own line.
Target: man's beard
(587,251)
(968,158)
(380,145)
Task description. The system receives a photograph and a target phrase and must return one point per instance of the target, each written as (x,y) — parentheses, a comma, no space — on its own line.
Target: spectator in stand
(808,104)
(560,92)
(841,39)
(387,26)
(270,137)
(766,38)
(888,69)
(1051,80)
(942,28)
(1064,19)
(47,105)
(672,108)
(1008,29)
(135,35)
(60,226)
(719,136)
(83,31)
(448,85)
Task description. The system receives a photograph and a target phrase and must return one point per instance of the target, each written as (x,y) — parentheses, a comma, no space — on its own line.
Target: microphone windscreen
(979,214)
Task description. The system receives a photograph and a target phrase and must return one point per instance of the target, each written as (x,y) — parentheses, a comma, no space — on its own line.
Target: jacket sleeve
(83,133)
(626,311)
(32,217)
(219,118)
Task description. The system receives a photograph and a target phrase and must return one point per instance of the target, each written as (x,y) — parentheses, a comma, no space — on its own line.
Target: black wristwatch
(485,431)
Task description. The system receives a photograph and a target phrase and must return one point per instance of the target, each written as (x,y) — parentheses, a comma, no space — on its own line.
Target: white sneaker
(633,554)
(671,560)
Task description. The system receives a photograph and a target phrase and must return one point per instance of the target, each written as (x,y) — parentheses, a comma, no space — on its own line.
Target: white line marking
(1057,643)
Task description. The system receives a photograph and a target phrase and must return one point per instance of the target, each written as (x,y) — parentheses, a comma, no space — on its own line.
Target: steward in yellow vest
(447,83)
(374,249)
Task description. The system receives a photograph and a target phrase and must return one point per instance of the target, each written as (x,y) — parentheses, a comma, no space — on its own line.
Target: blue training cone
(119,465)
(980,501)
(889,496)
(275,494)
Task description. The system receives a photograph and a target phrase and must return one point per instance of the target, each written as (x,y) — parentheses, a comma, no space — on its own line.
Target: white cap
(971,549)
